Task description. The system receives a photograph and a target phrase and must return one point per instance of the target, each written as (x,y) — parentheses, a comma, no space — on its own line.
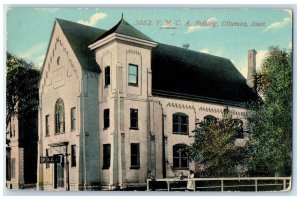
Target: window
(208,119)
(133,74)
(134,118)
(47,154)
(59,116)
(180,123)
(47,125)
(135,156)
(106,156)
(13,168)
(180,157)
(106,118)
(238,126)
(107,76)
(73,119)
(73,155)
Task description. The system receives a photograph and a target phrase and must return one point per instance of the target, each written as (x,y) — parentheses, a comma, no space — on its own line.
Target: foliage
(270,120)
(22,97)
(215,148)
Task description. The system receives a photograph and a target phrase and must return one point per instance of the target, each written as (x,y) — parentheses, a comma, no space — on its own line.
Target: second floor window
(180,123)
(47,125)
(73,119)
(132,74)
(59,116)
(106,118)
(107,76)
(134,118)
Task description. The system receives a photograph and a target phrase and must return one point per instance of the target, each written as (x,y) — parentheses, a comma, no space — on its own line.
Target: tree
(270,119)
(215,147)
(22,93)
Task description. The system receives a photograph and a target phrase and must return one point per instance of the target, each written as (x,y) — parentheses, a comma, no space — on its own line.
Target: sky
(228,33)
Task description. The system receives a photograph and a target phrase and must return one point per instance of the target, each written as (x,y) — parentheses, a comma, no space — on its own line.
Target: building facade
(115,104)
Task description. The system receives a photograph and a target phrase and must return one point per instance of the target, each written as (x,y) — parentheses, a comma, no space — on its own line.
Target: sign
(50,159)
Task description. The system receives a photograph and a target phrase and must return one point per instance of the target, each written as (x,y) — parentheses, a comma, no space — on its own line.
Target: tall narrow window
(47,125)
(132,74)
(73,119)
(106,156)
(107,76)
(13,168)
(106,118)
(180,157)
(134,118)
(59,116)
(180,123)
(135,156)
(73,155)
(47,154)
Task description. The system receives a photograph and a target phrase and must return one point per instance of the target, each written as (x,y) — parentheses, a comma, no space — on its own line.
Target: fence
(223,184)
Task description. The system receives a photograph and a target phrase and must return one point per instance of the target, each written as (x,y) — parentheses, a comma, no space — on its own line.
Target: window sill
(73,130)
(106,86)
(135,167)
(73,166)
(133,128)
(181,168)
(133,84)
(180,133)
(106,128)
(59,133)
(105,168)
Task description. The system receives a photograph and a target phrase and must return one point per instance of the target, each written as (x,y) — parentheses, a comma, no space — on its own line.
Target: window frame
(136,118)
(135,155)
(106,120)
(47,126)
(106,156)
(59,115)
(180,157)
(106,76)
(73,155)
(73,118)
(179,124)
(136,75)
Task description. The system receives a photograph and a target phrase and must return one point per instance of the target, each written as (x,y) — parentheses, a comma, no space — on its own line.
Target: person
(152,183)
(190,183)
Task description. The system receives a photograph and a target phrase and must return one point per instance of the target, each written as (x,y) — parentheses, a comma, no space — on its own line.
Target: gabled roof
(80,37)
(124,28)
(176,72)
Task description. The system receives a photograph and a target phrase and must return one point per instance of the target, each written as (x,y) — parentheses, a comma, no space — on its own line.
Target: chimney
(251,68)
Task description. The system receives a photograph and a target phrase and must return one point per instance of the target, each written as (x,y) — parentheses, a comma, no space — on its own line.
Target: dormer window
(132,75)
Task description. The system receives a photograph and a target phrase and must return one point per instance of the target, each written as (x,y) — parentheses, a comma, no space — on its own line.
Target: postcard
(149,99)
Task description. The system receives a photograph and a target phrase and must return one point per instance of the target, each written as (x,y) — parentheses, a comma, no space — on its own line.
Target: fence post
(255,185)
(168,184)
(147,184)
(222,185)
(194,182)
(284,183)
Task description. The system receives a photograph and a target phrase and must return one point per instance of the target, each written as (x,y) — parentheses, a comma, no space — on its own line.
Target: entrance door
(59,172)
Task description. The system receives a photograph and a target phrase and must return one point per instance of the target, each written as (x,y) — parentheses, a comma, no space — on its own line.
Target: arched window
(208,119)
(180,123)
(180,157)
(59,116)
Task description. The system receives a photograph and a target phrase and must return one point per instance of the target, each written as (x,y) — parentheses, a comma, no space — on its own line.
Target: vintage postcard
(149,99)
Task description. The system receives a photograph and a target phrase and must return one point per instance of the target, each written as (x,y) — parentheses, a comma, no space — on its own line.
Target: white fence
(222,184)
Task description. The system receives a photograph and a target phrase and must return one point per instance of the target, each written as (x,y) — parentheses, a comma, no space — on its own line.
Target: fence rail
(222,184)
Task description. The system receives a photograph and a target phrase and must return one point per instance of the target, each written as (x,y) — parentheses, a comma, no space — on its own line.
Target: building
(114,104)
(21,152)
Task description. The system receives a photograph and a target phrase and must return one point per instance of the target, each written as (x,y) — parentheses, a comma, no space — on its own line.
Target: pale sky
(222,32)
